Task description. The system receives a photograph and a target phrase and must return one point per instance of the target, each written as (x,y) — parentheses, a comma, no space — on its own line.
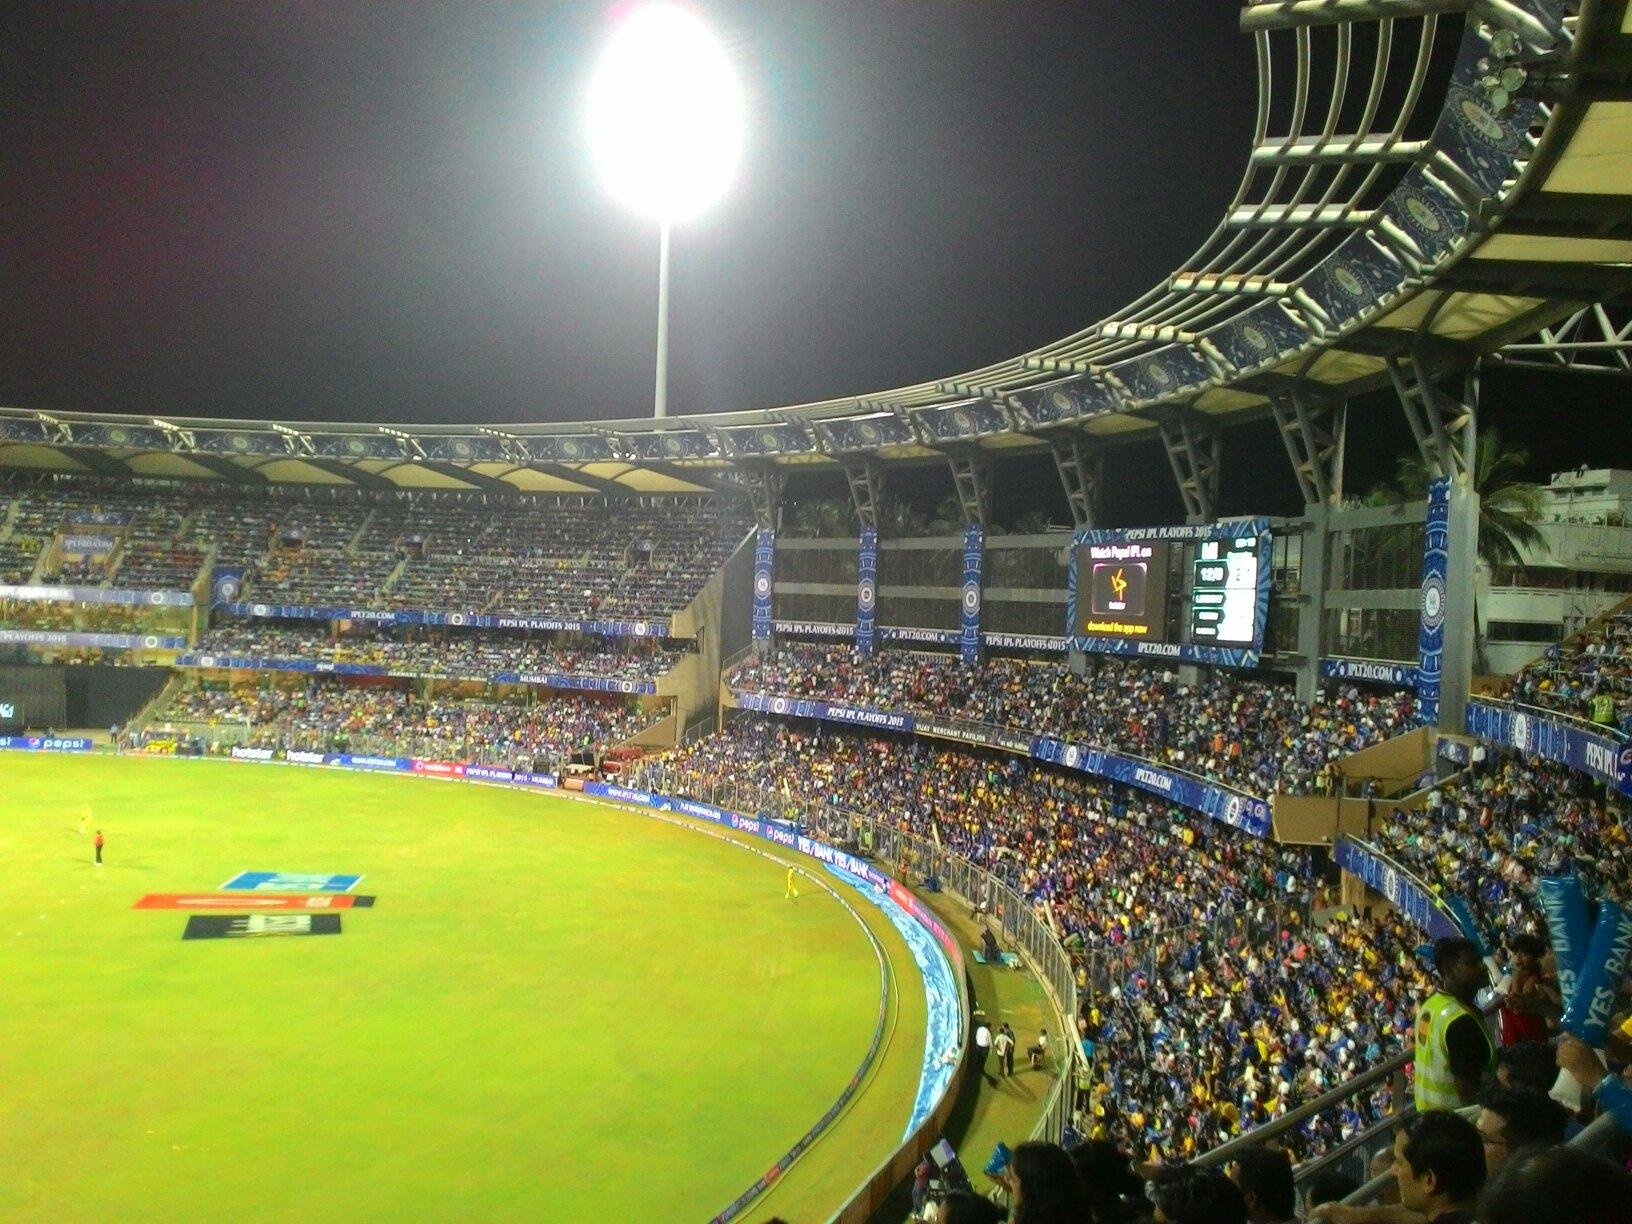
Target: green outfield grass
(556,1010)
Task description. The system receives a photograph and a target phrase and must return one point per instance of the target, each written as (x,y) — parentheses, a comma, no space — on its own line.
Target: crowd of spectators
(441,652)
(1240,730)
(1211,1003)
(327,715)
(1491,832)
(1590,676)
(568,558)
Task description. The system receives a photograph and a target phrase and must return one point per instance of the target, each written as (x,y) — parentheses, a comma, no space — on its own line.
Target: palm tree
(825,518)
(1509,508)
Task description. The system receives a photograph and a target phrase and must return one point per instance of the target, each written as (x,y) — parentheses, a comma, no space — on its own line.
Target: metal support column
(1081,465)
(969,477)
(1314,433)
(866,479)
(1444,425)
(762,484)
(1194,446)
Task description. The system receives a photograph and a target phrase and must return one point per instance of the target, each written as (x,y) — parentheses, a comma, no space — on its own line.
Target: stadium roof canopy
(1429,181)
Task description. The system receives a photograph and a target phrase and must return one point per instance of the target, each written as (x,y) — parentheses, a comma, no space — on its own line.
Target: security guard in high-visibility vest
(1454,1051)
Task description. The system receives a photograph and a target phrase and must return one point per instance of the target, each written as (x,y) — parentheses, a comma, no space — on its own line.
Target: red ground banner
(249,902)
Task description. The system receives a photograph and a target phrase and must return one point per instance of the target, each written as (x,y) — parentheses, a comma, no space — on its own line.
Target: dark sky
(336,210)
(385,211)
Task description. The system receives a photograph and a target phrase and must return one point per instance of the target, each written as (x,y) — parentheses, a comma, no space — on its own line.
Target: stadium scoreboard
(1224,592)
(1191,593)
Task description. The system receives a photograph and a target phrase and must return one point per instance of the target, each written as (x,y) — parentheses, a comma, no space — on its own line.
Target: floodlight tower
(665,127)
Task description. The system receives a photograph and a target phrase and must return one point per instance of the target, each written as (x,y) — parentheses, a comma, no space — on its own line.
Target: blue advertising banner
(42,743)
(91,641)
(87,545)
(226,584)
(97,595)
(831,629)
(469,620)
(974,556)
(1605,757)
(1236,808)
(866,590)
(1404,891)
(586,684)
(1431,633)
(806,707)
(930,637)
(764,582)
(1368,671)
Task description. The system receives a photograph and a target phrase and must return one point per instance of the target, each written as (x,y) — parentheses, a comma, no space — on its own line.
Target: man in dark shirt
(1439,1165)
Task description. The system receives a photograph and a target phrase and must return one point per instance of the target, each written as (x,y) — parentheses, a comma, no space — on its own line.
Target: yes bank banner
(1406,893)
(1605,757)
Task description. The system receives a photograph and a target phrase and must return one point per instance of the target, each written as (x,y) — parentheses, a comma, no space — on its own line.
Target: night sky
(386,212)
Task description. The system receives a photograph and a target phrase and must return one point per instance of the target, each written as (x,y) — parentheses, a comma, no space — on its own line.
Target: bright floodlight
(665,114)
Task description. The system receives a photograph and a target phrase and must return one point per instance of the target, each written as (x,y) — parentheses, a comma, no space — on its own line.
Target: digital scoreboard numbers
(1224,592)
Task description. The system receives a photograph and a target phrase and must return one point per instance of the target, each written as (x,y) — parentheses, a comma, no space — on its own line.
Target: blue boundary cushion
(275,881)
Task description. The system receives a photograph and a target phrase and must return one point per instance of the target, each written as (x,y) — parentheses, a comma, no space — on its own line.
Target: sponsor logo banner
(937,637)
(1436,538)
(866,590)
(42,743)
(764,582)
(974,555)
(87,545)
(252,901)
(92,641)
(1371,671)
(803,707)
(277,881)
(259,926)
(1604,757)
(473,620)
(1025,641)
(1404,891)
(1246,812)
(96,595)
(815,628)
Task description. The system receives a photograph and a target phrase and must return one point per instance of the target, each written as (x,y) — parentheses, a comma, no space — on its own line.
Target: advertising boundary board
(42,743)
(1604,757)
(663,807)
(1236,808)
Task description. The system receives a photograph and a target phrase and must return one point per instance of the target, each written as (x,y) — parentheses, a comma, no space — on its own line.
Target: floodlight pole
(660,404)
